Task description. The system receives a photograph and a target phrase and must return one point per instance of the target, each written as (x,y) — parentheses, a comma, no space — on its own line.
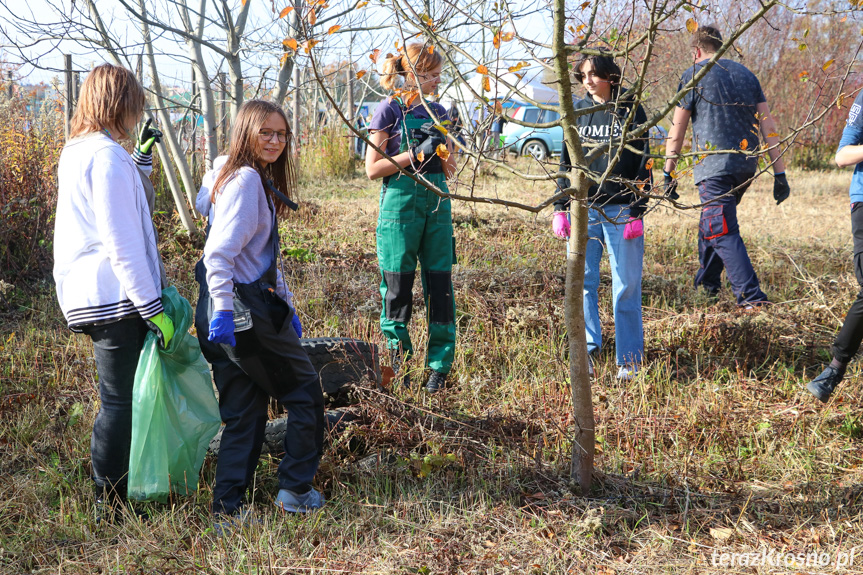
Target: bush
(30,145)
(326,154)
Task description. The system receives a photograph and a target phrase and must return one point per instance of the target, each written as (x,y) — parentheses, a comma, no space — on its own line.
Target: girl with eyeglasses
(415,224)
(244,317)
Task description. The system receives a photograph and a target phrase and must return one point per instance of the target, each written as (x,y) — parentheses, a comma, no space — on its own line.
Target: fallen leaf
(691,26)
(721,533)
(333,29)
(285,12)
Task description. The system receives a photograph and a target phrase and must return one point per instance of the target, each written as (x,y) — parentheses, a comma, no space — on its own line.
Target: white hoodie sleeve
(117,207)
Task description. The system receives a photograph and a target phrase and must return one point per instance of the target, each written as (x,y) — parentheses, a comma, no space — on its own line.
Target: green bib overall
(415,224)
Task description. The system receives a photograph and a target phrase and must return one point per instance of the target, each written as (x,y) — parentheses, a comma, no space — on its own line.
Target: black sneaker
(823,385)
(436,382)
(397,363)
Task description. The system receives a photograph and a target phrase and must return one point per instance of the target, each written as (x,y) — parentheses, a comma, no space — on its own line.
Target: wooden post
(295,107)
(67,98)
(77,84)
(223,111)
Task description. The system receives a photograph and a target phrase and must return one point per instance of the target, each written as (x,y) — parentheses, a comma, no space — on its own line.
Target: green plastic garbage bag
(175,413)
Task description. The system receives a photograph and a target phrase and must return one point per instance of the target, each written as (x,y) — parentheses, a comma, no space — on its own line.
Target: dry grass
(715,447)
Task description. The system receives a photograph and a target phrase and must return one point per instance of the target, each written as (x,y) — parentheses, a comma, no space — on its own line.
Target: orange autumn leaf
(290,43)
(498,107)
(803,74)
(309,44)
(486,85)
(649,164)
(431,49)
(360,74)
(285,12)
(374,55)
(518,66)
(744,144)
(442,151)
(411,97)
(840,100)
(580,28)
(772,135)
(244,2)
(362,4)
(827,64)
(691,26)
(585,5)
(507,36)
(333,29)
(420,156)
(313,17)
(481,69)
(496,41)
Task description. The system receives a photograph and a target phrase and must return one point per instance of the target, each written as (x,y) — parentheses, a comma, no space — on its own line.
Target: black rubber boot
(436,382)
(822,386)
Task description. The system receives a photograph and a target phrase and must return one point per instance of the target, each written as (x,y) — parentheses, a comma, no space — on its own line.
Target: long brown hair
(400,64)
(244,145)
(109,97)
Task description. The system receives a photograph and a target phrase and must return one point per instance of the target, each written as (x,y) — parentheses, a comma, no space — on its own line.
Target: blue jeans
(625,258)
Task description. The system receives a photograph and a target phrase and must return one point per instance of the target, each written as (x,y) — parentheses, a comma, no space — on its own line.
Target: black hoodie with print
(598,129)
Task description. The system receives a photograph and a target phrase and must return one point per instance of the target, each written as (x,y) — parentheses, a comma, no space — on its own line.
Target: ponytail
(396,67)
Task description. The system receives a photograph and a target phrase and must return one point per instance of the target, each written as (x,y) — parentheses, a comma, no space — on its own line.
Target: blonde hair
(244,147)
(109,97)
(400,64)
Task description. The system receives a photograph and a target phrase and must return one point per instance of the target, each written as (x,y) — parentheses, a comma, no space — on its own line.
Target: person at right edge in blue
(847,342)
(727,108)
(414,224)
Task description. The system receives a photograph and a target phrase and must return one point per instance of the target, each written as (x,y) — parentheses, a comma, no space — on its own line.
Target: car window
(549,116)
(531,115)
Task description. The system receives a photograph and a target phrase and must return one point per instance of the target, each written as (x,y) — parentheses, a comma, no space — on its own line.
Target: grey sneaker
(822,386)
(227,523)
(436,382)
(290,502)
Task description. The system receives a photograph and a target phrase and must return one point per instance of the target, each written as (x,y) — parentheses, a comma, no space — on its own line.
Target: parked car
(543,142)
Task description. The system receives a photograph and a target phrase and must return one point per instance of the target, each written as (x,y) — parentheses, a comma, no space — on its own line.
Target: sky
(16,41)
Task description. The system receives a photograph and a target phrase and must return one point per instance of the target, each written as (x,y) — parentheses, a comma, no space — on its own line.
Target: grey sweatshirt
(238,247)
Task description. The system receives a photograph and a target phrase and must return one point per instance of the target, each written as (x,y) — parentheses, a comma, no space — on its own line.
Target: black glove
(147,137)
(431,162)
(781,189)
(670,186)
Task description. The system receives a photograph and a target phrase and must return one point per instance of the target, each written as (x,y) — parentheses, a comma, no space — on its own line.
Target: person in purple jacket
(847,342)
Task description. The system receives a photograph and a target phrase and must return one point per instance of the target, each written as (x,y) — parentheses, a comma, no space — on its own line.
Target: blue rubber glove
(222,328)
(298,327)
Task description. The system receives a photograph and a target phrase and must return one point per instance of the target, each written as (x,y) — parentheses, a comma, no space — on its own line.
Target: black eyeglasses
(267,136)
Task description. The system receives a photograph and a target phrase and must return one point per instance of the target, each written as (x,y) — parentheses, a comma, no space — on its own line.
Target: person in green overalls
(415,224)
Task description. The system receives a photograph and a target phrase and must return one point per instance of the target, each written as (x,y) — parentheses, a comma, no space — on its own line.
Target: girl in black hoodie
(620,230)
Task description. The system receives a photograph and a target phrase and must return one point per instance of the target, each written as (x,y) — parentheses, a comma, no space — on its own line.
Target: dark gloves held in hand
(781,189)
(670,186)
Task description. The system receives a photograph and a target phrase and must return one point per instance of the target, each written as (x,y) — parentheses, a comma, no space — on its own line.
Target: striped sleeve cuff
(150,309)
(141,158)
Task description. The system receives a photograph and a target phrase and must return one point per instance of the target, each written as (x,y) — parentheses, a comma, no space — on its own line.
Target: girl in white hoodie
(107,268)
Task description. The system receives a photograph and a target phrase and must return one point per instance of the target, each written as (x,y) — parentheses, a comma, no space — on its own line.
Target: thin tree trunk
(583,441)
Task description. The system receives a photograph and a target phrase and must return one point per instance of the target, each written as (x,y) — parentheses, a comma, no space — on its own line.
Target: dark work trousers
(268,361)
(848,340)
(116,347)
(719,243)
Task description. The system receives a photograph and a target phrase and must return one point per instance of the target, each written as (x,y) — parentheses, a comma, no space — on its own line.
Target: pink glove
(560,225)
(634,229)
